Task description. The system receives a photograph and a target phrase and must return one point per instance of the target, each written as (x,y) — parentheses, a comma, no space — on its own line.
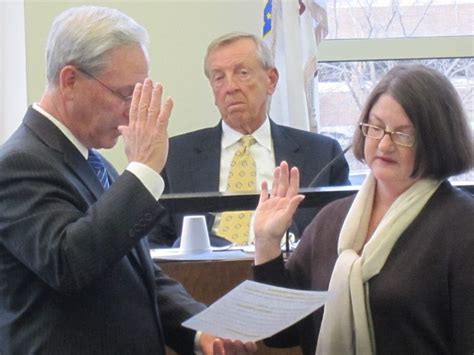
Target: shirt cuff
(152,181)
(197,346)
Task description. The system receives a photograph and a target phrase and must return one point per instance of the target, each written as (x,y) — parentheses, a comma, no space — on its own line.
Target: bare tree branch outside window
(344,86)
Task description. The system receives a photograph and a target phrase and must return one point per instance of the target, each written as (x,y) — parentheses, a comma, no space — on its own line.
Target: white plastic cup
(194,236)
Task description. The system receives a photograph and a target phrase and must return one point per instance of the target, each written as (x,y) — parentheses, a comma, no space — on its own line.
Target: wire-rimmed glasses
(375,132)
(123,98)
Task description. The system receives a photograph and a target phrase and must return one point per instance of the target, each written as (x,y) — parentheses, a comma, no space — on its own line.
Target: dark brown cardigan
(422,301)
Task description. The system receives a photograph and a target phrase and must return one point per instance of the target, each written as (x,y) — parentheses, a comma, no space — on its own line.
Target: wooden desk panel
(207,281)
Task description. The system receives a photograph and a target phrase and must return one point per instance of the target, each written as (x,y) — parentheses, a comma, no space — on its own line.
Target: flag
(293,30)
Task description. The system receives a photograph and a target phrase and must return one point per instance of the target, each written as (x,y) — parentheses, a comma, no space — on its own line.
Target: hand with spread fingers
(146,136)
(275,211)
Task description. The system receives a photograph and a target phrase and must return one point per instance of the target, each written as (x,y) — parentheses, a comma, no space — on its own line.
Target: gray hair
(264,54)
(81,36)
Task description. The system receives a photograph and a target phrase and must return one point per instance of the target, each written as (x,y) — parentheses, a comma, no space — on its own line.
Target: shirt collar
(262,135)
(67,133)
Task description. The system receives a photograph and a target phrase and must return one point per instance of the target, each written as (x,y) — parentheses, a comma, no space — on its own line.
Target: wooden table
(207,281)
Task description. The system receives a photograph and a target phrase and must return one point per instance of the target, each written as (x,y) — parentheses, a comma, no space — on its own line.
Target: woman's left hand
(275,211)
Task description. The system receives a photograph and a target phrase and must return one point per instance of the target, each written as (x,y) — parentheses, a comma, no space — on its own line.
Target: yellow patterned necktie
(235,225)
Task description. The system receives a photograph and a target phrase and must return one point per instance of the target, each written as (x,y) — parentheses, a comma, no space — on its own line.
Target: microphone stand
(287,242)
(328,165)
(311,184)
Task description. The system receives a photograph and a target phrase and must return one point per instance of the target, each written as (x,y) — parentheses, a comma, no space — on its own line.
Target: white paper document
(253,311)
(214,254)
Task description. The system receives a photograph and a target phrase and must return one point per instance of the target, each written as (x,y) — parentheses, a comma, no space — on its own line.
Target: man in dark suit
(76,275)
(243,76)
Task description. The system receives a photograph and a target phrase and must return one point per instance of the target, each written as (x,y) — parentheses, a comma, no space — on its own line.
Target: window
(368,38)
(399,18)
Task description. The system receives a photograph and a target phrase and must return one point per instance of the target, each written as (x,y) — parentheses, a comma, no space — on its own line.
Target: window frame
(410,48)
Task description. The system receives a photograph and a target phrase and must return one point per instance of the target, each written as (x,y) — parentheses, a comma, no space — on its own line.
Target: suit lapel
(286,147)
(206,161)
(50,135)
(79,165)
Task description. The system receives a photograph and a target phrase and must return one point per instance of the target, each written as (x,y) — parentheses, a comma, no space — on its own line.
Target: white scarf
(347,325)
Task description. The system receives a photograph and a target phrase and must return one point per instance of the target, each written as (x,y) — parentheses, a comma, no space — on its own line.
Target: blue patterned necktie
(96,162)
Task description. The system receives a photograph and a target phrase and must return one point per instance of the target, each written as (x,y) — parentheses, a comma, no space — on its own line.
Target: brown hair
(443,144)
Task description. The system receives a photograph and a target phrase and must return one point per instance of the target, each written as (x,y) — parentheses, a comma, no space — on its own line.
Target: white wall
(12,67)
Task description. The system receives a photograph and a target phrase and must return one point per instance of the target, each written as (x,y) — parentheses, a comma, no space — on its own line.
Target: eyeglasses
(399,138)
(125,99)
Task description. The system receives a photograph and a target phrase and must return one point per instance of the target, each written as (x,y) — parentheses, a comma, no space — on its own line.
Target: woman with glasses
(398,257)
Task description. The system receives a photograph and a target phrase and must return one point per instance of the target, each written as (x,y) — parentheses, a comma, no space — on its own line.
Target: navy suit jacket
(193,165)
(76,275)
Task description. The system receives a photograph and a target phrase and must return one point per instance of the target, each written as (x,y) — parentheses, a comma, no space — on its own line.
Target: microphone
(328,165)
(311,184)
